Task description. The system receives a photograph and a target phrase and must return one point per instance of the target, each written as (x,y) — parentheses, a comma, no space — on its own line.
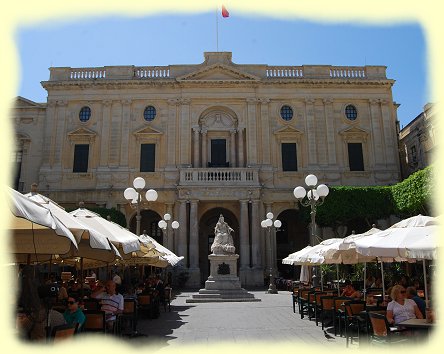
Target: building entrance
(149,223)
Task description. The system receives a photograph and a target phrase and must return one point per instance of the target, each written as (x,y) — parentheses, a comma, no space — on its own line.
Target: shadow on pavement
(157,332)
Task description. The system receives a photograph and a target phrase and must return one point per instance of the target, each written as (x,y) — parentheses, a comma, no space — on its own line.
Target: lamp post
(134,196)
(315,197)
(268,224)
(165,224)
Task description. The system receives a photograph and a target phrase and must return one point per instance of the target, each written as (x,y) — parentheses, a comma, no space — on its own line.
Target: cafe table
(419,323)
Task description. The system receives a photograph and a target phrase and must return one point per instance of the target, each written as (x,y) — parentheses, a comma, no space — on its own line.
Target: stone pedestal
(223,284)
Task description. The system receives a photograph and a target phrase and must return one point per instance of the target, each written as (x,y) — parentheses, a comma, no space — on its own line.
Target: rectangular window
(289,157)
(413,152)
(147,157)
(81,154)
(355,157)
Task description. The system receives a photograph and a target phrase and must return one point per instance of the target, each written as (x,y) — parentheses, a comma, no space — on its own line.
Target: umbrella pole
(383,282)
(81,278)
(337,278)
(425,282)
(322,279)
(365,277)
(49,268)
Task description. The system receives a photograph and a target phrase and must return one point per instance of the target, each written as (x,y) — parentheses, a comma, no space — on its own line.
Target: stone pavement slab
(271,320)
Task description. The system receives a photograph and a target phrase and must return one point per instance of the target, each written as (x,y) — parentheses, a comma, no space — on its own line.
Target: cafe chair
(95,321)
(167,299)
(303,302)
(327,309)
(381,331)
(62,332)
(339,313)
(91,304)
(127,320)
(354,321)
(145,305)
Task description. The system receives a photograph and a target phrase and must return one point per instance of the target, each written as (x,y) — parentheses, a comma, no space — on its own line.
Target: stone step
(222,300)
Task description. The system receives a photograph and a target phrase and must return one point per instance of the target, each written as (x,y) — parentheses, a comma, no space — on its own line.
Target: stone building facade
(210,138)
(417,142)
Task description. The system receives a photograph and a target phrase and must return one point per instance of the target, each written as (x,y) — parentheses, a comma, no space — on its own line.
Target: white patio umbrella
(165,253)
(91,243)
(304,276)
(115,233)
(394,241)
(34,229)
(401,240)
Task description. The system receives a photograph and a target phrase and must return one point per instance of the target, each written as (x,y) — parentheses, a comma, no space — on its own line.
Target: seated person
(412,294)
(401,309)
(73,313)
(350,291)
(63,293)
(112,303)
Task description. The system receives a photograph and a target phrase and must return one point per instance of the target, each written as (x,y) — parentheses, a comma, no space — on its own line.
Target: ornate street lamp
(315,197)
(268,224)
(134,196)
(166,224)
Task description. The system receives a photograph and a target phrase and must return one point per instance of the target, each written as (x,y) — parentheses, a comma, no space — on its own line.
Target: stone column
(329,119)
(244,233)
(194,235)
(390,138)
(48,134)
(255,234)
(60,134)
(204,149)
(185,133)
(182,237)
(376,133)
(196,161)
(104,138)
(115,134)
(265,129)
(251,132)
(171,133)
(233,148)
(311,131)
(126,111)
(168,235)
(241,147)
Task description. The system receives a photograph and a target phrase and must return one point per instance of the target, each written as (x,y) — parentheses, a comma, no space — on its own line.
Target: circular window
(85,114)
(286,112)
(350,112)
(149,113)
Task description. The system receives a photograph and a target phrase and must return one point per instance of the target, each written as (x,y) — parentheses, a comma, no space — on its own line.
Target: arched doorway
(292,236)
(148,222)
(206,236)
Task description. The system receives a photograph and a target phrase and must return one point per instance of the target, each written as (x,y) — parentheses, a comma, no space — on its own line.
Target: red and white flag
(225,13)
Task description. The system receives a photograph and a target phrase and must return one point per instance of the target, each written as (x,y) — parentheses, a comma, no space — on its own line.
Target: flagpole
(217,31)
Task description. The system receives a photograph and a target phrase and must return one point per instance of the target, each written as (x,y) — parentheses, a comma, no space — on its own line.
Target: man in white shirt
(112,303)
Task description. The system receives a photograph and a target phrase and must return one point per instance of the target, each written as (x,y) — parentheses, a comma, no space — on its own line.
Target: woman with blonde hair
(401,309)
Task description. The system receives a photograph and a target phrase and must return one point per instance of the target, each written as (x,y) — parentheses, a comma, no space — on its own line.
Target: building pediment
(288,130)
(354,133)
(218,72)
(82,134)
(22,102)
(147,131)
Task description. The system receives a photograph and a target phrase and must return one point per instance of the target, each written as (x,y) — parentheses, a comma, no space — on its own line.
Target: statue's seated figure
(223,241)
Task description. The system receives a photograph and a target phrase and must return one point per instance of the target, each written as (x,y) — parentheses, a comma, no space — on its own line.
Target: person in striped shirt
(111,301)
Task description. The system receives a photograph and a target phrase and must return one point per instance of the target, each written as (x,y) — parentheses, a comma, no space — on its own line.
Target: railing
(269,72)
(347,72)
(219,176)
(152,72)
(87,73)
(284,71)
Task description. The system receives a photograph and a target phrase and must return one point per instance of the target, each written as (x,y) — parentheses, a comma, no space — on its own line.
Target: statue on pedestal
(223,241)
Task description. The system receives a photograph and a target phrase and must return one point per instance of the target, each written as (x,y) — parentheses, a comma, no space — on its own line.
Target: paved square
(271,320)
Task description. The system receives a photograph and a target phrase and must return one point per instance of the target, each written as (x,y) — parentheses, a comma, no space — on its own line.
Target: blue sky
(182,39)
